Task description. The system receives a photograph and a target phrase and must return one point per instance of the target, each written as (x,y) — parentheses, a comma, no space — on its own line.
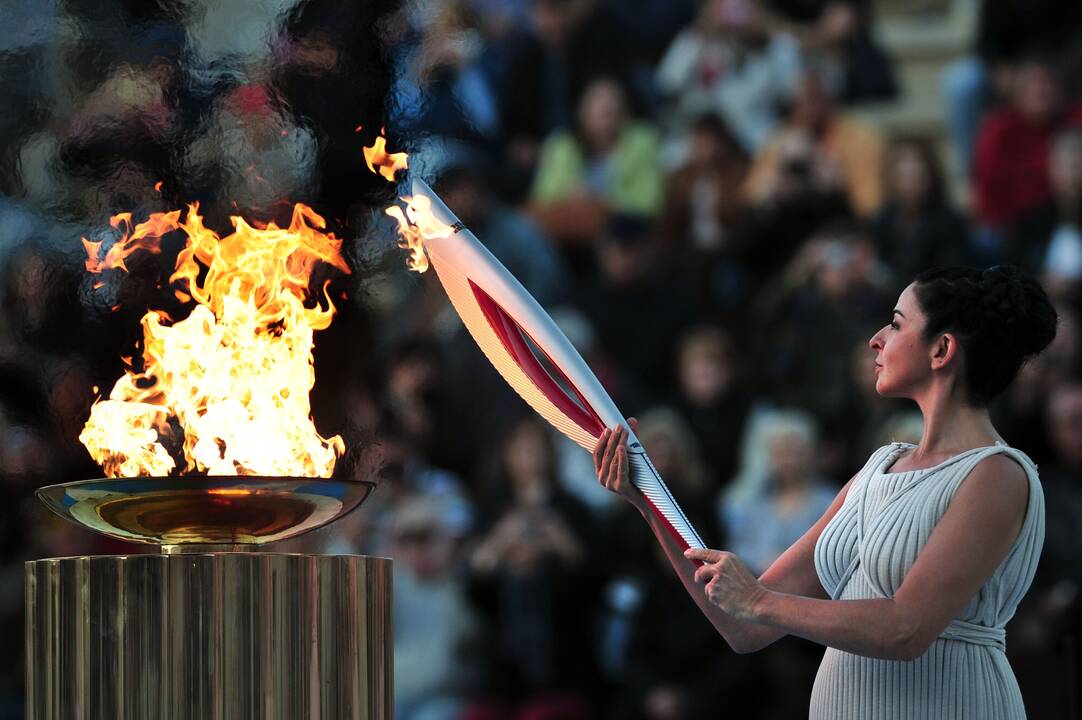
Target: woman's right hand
(611,462)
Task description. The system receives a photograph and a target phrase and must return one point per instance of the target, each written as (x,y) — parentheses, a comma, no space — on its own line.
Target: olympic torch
(527,348)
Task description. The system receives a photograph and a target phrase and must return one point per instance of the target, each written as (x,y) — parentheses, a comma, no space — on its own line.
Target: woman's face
(901,353)
(527,455)
(909,177)
(602,112)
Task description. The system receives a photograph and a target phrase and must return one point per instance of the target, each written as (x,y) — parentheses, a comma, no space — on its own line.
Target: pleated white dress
(865,552)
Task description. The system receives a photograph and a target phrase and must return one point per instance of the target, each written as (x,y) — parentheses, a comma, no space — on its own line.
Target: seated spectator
(572,42)
(609,162)
(1010,171)
(434,624)
(703,225)
(840,33)
(833,291)
(532,584)
(824,145)
(712,396)
(792,497)
(1048,619)
(676,455)
(511,236)
(1048,238)
(446,90)
(1006,33)
(917,228)
(726,63)
(649,314)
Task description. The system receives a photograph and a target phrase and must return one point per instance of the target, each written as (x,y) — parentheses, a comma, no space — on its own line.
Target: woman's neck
(952,424)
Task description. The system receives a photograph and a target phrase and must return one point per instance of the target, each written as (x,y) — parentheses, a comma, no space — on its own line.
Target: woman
(909,590)
(607,163)
(917,227)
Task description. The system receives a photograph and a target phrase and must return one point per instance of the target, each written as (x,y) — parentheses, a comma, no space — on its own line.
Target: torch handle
(645,477)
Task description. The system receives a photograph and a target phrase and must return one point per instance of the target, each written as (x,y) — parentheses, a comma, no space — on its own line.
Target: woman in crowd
(913,571)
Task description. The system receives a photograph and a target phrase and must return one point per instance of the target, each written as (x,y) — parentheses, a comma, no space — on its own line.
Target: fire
(234,375)
(388,163)
(145,236)
(418,223)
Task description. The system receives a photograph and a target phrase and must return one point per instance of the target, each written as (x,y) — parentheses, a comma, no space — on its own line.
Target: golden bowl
(196,510)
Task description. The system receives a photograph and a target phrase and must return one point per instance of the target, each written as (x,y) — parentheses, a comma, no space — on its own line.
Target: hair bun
(1001,314)
(1020,308)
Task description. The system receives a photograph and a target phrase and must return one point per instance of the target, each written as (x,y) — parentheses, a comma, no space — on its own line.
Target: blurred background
(718,201)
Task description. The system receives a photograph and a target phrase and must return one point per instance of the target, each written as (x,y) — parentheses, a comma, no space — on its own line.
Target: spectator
(1007,32)
(728,64)
(820,143)
(446,90)
(609,162)
(833,290)
(1010,170)
(1048,622)
(433,621)
(713,396)
(1047,238)
(917,228)
(763,525)
(704,222)
(573,42)
(650,316)
(532,585)
(840,33)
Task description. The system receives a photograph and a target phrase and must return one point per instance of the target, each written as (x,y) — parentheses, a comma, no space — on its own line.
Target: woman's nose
(874,343)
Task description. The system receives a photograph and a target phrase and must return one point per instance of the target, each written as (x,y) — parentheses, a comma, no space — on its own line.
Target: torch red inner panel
(513,338)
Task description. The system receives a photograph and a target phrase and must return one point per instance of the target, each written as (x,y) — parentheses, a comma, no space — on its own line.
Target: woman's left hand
(730,584)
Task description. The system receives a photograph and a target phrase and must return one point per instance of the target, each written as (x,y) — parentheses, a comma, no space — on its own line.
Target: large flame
(233,376)
(417,223)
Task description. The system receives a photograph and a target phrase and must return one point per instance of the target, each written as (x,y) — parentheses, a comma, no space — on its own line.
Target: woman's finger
(705,573)
(704,554)
(599,450)
(610,446)
(612,477)
(621,467)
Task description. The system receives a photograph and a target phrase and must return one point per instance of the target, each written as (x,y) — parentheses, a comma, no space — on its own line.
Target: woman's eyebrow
(899,312)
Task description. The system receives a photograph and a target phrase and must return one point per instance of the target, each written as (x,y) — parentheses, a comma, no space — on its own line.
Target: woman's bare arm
(968,543)
(792,573)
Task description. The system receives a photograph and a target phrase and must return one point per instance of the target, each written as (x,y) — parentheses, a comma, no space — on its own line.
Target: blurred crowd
(687,186)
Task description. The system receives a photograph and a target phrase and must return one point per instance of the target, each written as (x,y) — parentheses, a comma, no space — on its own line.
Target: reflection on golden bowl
(191,510)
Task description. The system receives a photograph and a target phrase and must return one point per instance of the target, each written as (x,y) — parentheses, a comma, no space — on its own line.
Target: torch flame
(418,223)
(388,163)
(234,375)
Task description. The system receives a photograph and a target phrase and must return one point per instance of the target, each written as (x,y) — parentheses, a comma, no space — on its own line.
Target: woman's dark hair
(1001,317)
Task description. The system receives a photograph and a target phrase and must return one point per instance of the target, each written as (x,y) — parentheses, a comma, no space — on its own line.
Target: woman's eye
(894,324)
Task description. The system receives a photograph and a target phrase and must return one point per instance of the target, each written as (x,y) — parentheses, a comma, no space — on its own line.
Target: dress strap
(861,498)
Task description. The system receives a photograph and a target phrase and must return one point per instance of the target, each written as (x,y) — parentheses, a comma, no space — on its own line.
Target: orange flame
(417,223)
(415,226)
(388,163)
(235,374)
(145,236)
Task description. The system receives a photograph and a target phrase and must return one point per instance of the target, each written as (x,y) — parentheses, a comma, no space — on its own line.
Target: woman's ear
(944,350)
